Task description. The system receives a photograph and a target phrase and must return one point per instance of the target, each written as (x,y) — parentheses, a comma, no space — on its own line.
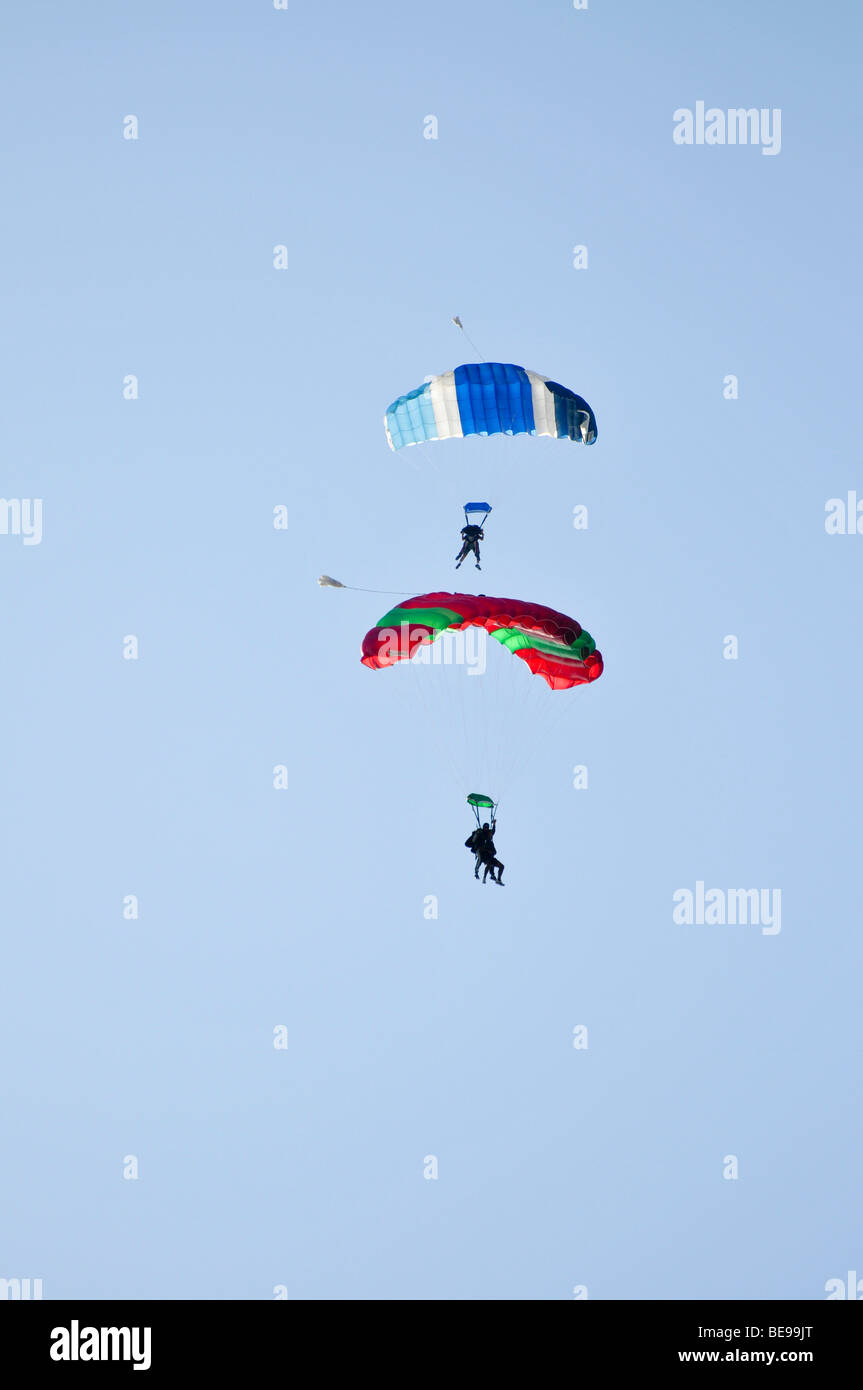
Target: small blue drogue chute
(476,513)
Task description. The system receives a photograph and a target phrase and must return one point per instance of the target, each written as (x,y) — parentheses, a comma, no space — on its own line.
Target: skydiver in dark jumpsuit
(485,851)
(471,844)
(471,537)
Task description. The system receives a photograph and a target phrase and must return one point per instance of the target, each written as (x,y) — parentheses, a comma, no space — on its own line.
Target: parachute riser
(485,810)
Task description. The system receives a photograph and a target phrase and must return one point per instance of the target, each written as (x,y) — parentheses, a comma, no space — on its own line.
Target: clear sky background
(411,1036)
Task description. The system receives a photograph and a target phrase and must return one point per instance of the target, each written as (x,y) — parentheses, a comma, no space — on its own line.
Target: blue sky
(411,1036)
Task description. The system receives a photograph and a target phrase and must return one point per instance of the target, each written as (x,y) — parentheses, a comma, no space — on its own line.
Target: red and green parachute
(553,645)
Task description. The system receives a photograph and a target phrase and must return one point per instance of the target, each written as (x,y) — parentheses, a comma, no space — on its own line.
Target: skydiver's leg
(500,873)
(476,552)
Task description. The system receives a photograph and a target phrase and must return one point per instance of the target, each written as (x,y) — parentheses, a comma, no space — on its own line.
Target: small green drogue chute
(478,801)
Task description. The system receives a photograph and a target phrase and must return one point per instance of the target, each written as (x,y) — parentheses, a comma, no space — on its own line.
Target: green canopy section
(480,802)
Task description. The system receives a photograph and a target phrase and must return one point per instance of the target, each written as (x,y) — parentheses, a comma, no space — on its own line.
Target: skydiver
(471,537)
(491,863)
(486,852)
(471,844)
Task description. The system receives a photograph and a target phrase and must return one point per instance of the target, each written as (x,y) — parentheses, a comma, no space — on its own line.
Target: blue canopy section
(476,507)
(410,419)
(569,412)
(494,398)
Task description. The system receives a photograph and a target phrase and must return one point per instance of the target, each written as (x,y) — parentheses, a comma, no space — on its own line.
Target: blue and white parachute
(488,398)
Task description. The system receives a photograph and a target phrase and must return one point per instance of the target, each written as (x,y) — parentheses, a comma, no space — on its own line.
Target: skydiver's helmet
(485,825)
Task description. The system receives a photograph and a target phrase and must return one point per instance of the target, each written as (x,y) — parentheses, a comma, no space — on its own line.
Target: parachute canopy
(488,398)
(554,646)
(476,513)
(480,802)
